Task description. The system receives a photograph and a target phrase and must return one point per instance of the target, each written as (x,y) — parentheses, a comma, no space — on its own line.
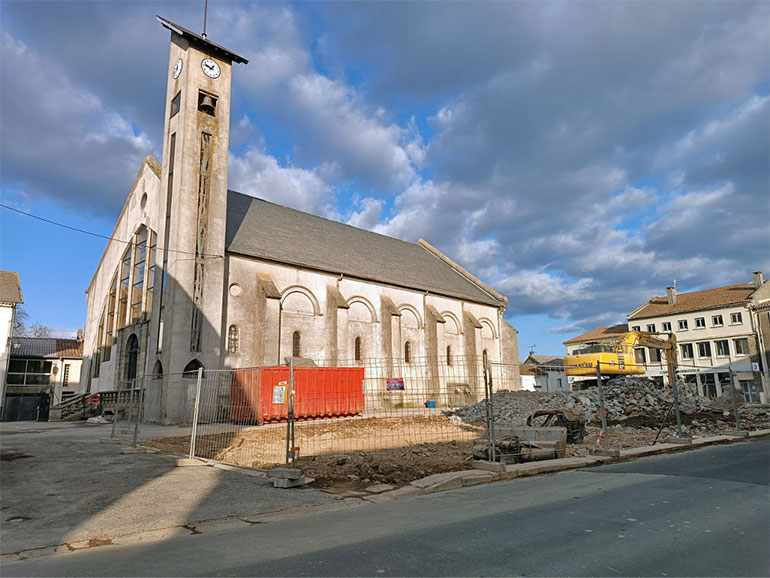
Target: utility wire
(100,236)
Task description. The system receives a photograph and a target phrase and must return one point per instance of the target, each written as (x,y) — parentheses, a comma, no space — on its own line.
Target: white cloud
(258,174)
(330,122)
(545,290)
(368,215)
(60,140)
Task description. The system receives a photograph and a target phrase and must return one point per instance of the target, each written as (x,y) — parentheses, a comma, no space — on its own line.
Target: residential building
(543,373)
(10,298)
(42,372)
(199,276)
(608,335)
(717,331)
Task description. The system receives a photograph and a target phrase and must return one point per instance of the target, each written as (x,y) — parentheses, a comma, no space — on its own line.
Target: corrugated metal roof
(696,301)
(48,347)
(258,228)
(10,288)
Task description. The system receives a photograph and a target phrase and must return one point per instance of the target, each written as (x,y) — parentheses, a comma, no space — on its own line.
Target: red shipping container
(260,395)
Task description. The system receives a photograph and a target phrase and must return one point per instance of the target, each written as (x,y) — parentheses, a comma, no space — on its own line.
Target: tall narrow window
(66,378)
(110,321)
(449,355)
(152,239)
(407,352)
(201,229)
(233,335)
(99,343)
(295,344)
(125,275)
(358,349)
(137,291)
(484,358)
(166,234)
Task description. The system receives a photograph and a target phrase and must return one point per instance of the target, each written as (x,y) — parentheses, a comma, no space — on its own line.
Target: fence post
(735,402)
(195,413)
(290,453)
(116,412)
(603,434)
(489,404)
(672,379)
(130,407)
(139,407)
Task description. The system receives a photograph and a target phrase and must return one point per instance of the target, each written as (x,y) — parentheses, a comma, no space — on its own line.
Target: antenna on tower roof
(205,13)
(532,349)
(674,282)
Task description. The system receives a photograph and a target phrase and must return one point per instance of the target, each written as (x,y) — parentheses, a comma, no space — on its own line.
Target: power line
(100,236)
(58,224)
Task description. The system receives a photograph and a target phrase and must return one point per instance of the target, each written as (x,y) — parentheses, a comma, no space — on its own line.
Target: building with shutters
(717,331)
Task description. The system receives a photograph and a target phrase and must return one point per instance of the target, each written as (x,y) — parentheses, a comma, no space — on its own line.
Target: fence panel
(368,406)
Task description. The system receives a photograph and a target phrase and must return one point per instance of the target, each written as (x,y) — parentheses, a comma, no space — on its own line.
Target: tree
(40,330)
(20,321)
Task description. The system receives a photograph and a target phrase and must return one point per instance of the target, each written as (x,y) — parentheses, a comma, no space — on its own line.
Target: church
(199,276)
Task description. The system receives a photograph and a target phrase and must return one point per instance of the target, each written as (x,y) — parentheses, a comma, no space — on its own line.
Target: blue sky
(577,156)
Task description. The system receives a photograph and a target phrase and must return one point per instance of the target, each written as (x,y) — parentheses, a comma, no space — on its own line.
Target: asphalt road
(698,513)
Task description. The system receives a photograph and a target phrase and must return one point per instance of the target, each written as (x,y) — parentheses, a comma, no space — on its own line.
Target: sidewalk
(63,490)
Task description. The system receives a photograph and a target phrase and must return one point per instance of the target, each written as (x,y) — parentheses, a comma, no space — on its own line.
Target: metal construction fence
(267,416)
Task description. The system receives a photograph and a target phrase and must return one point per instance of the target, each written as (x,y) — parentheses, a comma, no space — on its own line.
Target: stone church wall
(266,303)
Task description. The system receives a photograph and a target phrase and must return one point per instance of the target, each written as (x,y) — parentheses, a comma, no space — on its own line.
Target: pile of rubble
(624,399)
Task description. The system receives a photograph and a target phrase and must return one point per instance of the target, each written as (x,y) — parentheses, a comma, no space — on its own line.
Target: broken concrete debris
(629,402)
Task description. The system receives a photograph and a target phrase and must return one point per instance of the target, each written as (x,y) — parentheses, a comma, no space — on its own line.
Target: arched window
(191,369)
(407,352)
(295,344)
(233,337)
(132,346)
(157,371)
(358,349)
(449,355)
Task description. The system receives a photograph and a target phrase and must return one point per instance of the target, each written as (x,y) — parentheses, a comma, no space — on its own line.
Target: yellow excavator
(618,357)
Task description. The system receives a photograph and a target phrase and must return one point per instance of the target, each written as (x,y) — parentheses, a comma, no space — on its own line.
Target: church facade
(198,276)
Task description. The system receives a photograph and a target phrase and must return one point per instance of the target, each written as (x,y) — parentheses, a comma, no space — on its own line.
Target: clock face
(210,68)
(177,68)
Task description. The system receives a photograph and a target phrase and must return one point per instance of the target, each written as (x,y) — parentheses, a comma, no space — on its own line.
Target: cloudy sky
(577,156)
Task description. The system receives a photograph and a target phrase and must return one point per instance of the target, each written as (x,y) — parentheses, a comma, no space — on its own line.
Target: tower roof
(201,41)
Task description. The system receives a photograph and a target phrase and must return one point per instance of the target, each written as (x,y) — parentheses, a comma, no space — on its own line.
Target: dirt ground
(354,454)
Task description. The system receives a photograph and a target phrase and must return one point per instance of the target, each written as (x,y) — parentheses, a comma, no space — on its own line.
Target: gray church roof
(265,230)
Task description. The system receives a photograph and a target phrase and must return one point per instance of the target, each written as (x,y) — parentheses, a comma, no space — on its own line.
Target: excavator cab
(617,359)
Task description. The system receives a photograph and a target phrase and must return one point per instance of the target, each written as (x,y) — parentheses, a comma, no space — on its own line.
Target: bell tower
(193,201)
